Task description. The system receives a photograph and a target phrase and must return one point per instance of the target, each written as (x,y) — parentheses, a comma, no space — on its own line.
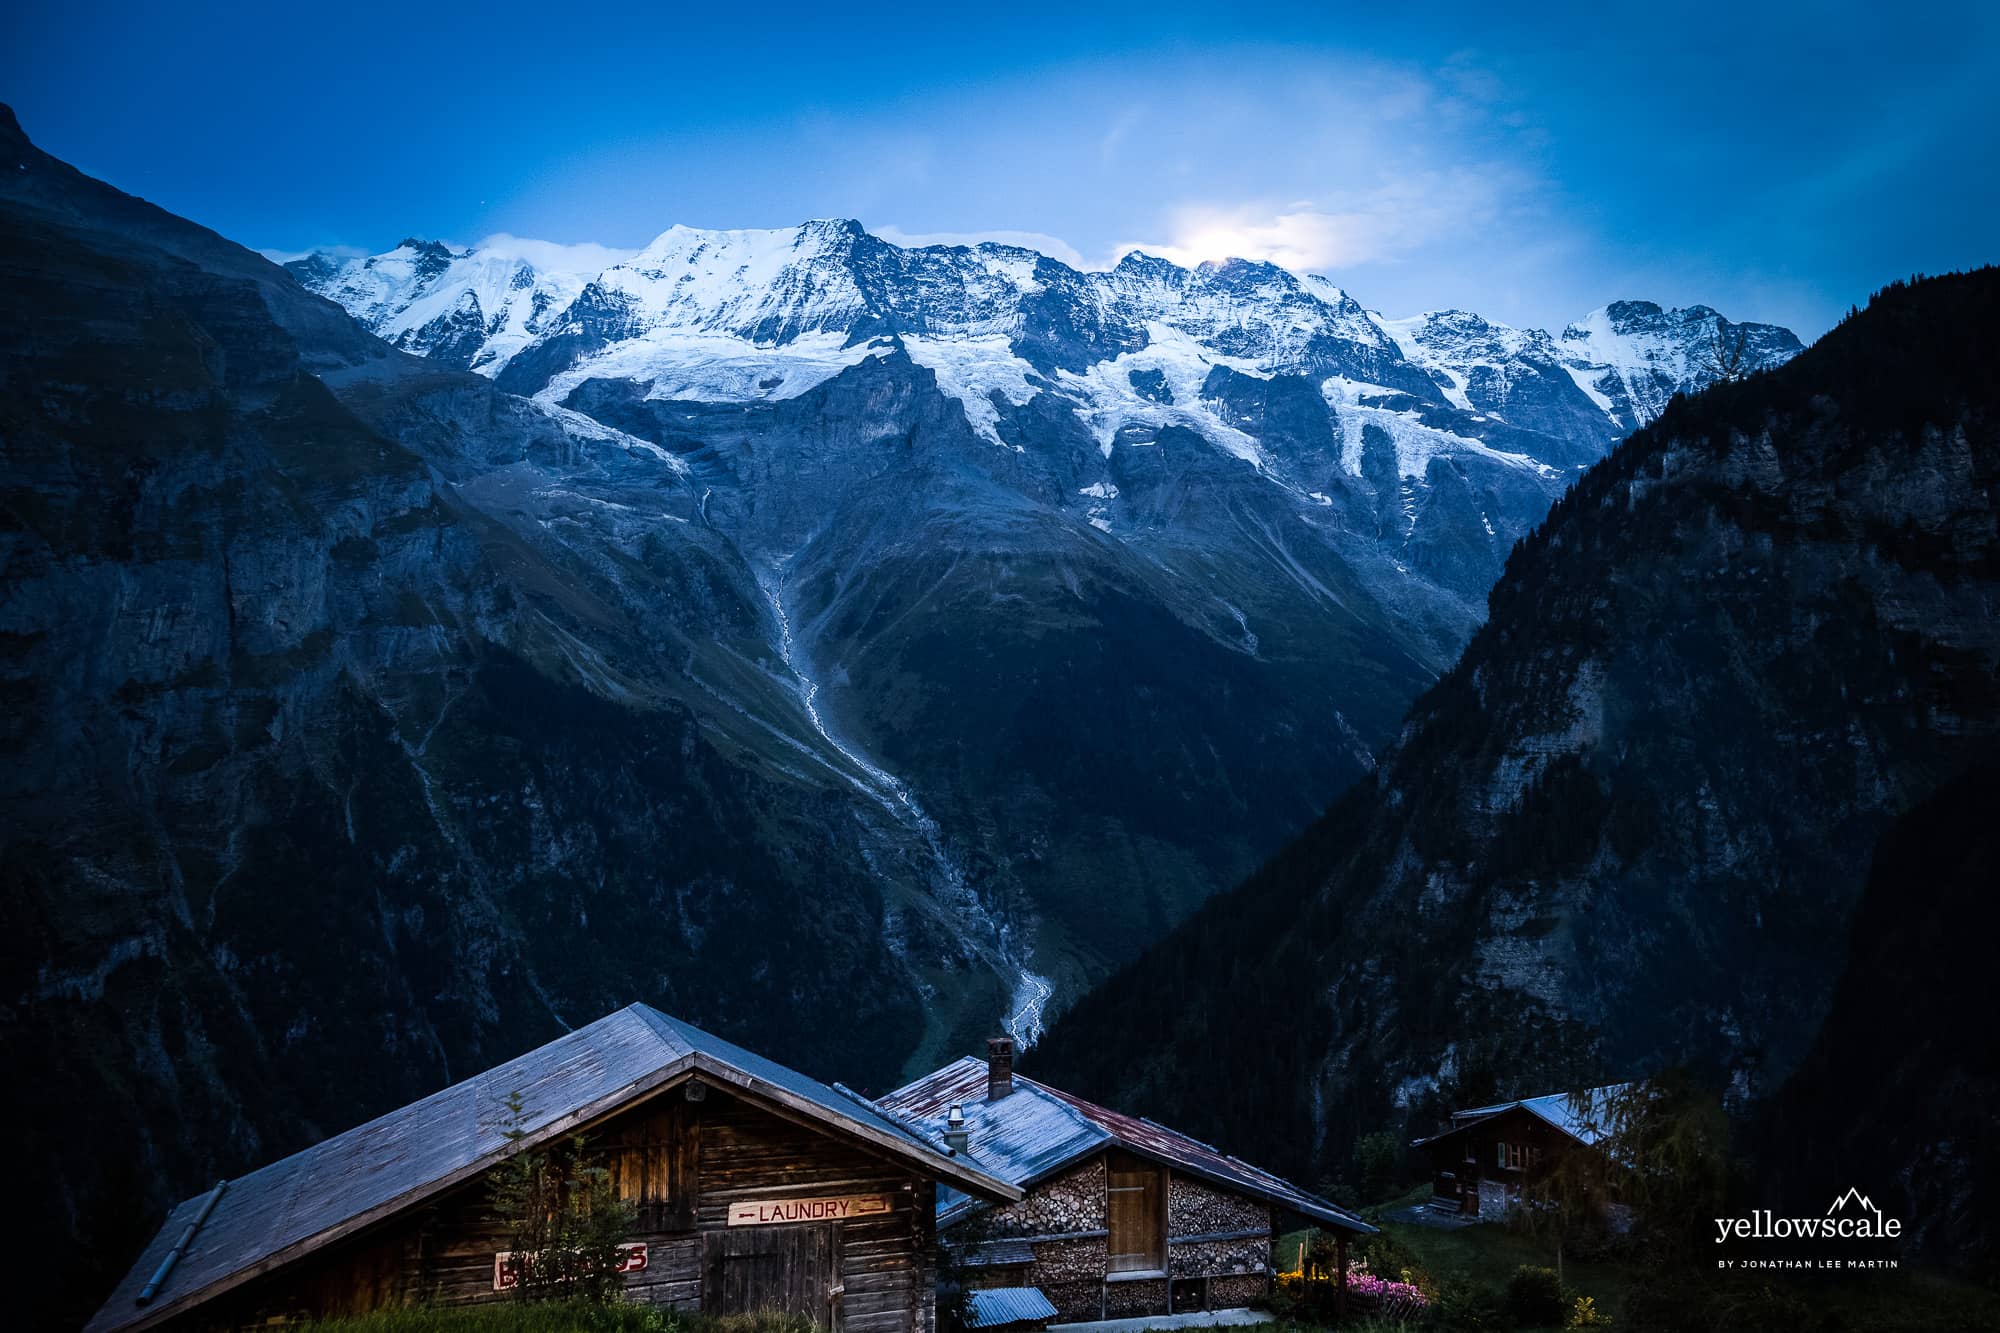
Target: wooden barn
(755,1187)
(1489,1158)
(1121,1217)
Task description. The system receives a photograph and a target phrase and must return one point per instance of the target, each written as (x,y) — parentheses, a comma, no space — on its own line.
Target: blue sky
(1777,162)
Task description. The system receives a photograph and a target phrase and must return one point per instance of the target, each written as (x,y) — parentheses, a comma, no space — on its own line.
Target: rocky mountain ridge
(1242,448)
(1630,827)
(827,290)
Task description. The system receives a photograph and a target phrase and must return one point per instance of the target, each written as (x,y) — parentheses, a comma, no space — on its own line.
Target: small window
(1135,1203)
(1502,1157)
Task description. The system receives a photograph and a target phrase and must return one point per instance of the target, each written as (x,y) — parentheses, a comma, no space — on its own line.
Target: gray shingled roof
(1037,1130)
(1585,1116)
(997,1307)
(291,1207)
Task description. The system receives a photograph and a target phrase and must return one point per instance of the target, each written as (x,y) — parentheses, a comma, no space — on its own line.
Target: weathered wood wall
(1473,1157)
(683,1164)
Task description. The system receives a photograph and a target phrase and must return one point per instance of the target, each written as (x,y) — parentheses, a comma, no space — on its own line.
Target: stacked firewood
(1196,1208)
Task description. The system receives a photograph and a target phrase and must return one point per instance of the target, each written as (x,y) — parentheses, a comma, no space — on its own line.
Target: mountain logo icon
(1851,1216)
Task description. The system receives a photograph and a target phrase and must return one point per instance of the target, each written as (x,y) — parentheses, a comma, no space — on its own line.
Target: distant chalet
(756,1188)
(1492,1155)
(1121,1216)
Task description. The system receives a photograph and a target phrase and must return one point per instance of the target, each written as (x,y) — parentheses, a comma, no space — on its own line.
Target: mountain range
(1225,524)
(1750,654)
(714,306)
(891,641)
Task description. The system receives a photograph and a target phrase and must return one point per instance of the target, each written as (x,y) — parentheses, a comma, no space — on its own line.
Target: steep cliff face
(322,784)
(1631,825)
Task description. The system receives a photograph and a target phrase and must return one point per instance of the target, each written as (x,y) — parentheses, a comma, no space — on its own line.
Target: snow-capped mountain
(1093,584)
(722,316)
(1518,376)
(471,308)
(1633,356)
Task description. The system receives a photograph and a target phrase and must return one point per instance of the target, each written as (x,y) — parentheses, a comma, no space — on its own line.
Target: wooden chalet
(755,1186)
(1120,1217)
(1491,1155)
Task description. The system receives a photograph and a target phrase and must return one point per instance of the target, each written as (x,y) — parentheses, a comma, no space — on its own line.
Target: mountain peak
(1138,261)
(1631,311)
(681,241)
(429,249)
(847,227)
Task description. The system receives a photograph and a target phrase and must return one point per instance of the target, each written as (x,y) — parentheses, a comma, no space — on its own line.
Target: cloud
(1296,238)
(586,257)
(1378,225)
(1052,246)
(281,256)
(1120,130)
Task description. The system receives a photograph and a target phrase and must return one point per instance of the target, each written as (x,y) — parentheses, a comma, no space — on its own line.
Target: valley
(1254,458)
(686,669)
(900,640)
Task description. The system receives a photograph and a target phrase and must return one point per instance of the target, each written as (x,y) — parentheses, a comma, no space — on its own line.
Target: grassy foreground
(1483,1258)
(552,1317)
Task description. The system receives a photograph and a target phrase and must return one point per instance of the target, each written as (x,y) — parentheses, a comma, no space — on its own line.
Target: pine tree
(562,1215)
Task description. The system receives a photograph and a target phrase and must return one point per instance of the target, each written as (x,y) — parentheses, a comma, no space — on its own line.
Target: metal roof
(373,1171)
(1020,1139)
(999,1254)
(1584,1116)
(1037,1130)
(999,1306)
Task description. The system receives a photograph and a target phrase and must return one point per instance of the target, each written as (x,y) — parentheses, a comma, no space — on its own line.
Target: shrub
(1535,1297)
(1393,1298)
(1378,1161)
(1585,1314)
(1467,1307)
(1391,1258)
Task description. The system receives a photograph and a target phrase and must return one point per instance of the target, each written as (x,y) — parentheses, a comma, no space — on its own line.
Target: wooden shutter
(1135,1201)
(653,1158)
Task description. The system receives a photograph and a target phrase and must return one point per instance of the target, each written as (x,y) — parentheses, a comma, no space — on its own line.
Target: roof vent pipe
(956,1136)
(999,1067)
(159,1278)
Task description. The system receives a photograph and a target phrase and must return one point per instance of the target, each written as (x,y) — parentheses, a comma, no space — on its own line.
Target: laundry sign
(838,1208)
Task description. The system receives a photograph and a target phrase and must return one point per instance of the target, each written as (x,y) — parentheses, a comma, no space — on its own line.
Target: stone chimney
(999,1067)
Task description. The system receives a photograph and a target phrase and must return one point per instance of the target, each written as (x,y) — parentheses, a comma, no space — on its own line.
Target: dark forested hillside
(1899,1095)
(1631,826)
